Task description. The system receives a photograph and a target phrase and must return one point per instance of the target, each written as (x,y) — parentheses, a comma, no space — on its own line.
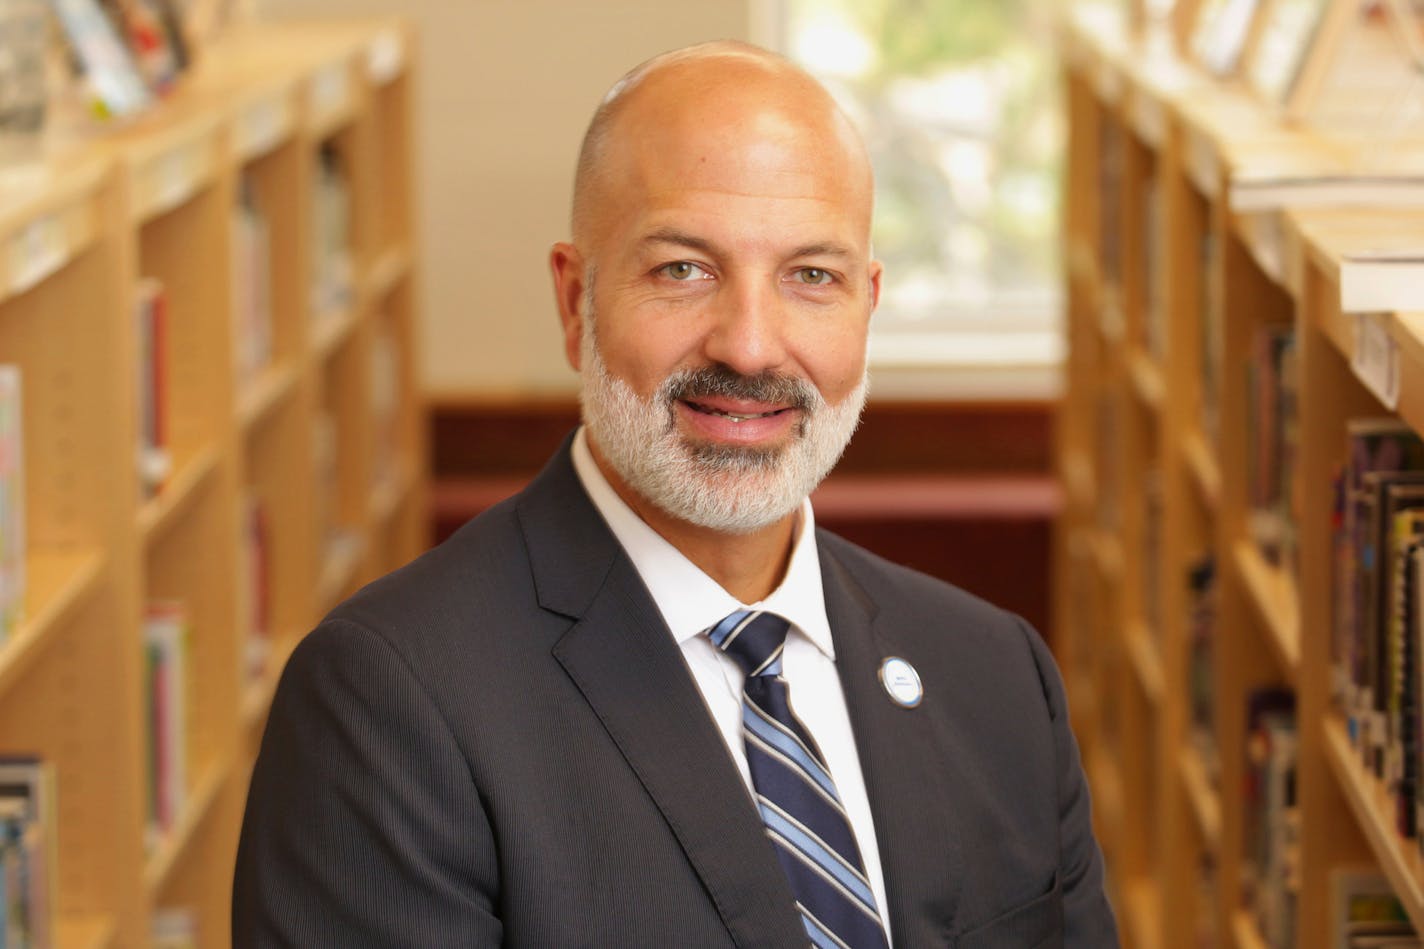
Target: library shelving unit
(1186,261)
(293,464)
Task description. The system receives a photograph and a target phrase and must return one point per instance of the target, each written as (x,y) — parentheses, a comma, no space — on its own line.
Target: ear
(567,267)
(877,270)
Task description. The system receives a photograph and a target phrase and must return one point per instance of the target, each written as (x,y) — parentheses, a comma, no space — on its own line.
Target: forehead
(769,152)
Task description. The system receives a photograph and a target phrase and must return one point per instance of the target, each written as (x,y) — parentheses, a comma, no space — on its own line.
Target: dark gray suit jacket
(501,744)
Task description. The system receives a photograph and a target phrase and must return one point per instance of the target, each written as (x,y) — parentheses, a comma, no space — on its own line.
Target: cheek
(836,364)
(643,353)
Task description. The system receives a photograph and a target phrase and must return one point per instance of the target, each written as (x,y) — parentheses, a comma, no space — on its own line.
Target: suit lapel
(624,661)
(902,764)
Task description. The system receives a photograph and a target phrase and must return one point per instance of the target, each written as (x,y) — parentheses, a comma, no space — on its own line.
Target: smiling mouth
(734,416)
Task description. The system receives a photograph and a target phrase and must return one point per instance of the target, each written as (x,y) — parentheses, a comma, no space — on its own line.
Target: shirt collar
(690,601)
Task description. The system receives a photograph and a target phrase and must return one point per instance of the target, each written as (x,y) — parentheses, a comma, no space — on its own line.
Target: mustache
(725,382)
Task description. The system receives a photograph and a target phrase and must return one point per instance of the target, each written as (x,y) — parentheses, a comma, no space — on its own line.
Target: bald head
(741,89)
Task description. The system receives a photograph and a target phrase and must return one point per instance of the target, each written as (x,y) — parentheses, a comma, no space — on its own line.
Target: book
(1364,910)
(1211,338)
(12,502)
(385,392)
(1372,445)
(1201,633)
(251,283)
(1388,280)
(29,849)
(333,273)
(256,586)
(1402,753)
(1290,30)
(166,635)
(155,462)
(1221,32)
(1271,869)
(1273,433)
(116,85)
(174,928)
(1382,495)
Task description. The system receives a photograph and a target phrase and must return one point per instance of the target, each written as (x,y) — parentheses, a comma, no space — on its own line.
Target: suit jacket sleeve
(1088,921)
(363,824)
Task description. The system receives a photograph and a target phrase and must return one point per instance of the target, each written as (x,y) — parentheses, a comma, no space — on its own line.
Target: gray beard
(728,488)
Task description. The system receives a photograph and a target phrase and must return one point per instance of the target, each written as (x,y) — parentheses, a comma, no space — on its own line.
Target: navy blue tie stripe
(795,796)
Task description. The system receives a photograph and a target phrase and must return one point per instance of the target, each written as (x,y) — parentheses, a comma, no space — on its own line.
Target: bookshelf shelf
(344,553)
(1107,554)
(388,493)
(140,609)
(171,167)
(257,695)
(1146,662)
(1204,799)
(272,387)
(1275,603)
(1147,380)
(95,932)
(1077,474)
(1245,931)
(59,584)
(1105,775)
(1205,472)
(160,512)
(1141,916)
(331,330)
(331,99)
(46,245)
(390,268)
(1370,804)
(158,869)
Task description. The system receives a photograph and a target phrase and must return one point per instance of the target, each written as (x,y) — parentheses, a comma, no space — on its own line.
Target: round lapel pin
(901,682)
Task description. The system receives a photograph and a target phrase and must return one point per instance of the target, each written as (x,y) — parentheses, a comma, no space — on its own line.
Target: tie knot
(754,639)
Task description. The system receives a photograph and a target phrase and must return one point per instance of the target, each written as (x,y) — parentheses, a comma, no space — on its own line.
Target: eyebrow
(671,235)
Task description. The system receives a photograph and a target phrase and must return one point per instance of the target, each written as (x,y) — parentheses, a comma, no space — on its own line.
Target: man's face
(733,295)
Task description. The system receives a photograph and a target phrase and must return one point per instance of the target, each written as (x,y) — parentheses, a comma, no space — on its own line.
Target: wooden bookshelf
(324,423)
(1188,269)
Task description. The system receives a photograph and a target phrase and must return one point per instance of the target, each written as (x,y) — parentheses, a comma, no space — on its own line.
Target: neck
(748,566)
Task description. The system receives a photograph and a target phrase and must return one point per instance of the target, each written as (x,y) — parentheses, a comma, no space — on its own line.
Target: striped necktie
(795,795)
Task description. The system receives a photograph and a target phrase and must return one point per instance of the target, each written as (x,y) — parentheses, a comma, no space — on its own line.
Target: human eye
(814,276)
(682,270)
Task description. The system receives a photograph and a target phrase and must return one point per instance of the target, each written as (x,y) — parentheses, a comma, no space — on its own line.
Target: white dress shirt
(691,602)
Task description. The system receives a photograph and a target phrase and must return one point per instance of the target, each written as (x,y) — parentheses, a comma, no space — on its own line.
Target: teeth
(741,418)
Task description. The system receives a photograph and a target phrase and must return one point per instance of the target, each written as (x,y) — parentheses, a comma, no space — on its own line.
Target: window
(958,103)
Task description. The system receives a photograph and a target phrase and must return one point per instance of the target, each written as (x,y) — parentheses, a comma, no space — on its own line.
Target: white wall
(506,87)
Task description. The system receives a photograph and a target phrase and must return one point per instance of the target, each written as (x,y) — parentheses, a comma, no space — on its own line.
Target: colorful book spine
(28,851)
(1374,446)
(1365,913)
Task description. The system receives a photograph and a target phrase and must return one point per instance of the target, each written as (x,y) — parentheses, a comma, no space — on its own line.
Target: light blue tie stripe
(789,748)
(819,937)
(819,854)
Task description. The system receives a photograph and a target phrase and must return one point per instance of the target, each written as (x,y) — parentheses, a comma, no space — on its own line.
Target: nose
(748,328)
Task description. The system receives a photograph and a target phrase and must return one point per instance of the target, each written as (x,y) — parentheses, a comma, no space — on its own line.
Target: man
(645,702)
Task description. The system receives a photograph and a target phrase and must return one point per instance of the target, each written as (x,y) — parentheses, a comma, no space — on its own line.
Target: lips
(738,414)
